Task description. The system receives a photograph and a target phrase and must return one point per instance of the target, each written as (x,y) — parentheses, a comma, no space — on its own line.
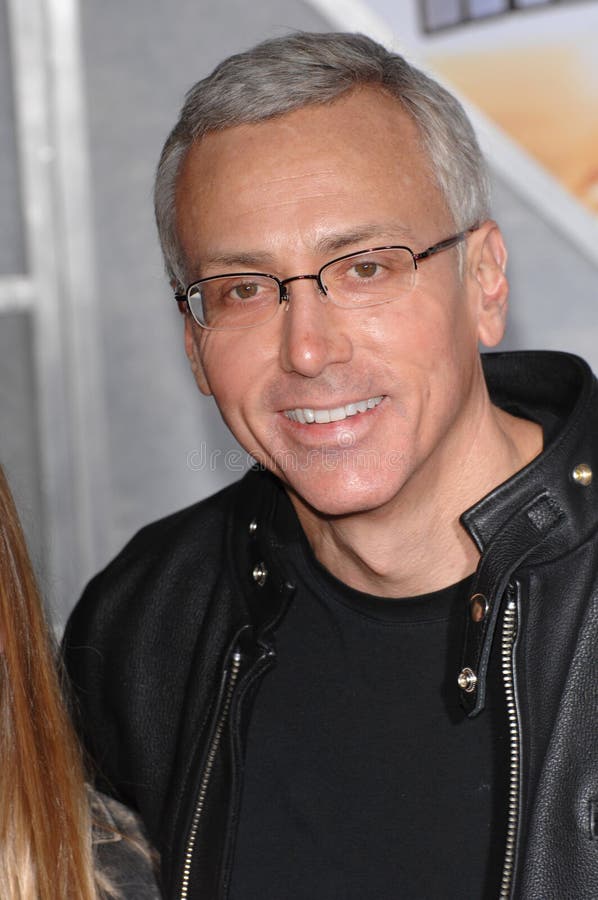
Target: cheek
(234,366)
(443,329)
(217,366)
(423,335)
(430,348)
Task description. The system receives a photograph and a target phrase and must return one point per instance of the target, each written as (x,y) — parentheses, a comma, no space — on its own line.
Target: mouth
(305,415)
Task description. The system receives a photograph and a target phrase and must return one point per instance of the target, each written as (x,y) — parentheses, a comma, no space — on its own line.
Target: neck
(415,543)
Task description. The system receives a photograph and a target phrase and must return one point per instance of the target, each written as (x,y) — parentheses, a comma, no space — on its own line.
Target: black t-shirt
(364,779)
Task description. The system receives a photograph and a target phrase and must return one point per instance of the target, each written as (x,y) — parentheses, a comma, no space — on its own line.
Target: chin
(343,494)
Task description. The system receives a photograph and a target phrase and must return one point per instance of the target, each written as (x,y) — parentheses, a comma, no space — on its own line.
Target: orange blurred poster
(535,74)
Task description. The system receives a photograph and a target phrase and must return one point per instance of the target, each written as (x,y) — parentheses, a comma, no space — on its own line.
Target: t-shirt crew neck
(428,607)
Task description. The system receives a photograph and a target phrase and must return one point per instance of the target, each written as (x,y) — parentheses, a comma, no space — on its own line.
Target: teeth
(337,414)
(307,416)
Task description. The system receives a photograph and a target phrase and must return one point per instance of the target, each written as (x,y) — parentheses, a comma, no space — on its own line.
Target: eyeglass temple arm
(444,245)
(182,302)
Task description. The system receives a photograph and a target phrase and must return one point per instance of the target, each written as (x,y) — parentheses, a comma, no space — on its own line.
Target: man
(368,669)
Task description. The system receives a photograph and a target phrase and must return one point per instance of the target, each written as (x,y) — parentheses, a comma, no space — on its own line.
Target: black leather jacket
(169,643)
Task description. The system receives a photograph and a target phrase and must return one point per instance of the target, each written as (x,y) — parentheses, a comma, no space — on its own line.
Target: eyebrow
(251,259)
(327,244)
(372,232)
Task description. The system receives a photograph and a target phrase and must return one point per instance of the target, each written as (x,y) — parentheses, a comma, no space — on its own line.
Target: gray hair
(305,68)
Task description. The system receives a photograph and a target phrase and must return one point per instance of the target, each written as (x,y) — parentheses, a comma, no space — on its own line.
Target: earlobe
(194,355)
(489,272)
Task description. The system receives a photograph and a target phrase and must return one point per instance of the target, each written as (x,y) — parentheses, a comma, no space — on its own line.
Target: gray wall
(18,408)
(554,286)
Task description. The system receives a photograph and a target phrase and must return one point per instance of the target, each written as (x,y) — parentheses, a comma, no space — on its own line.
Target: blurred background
(101,426)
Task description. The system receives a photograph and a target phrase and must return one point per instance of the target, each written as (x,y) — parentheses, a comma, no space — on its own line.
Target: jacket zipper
(205,780)
(263,663)
(508,642)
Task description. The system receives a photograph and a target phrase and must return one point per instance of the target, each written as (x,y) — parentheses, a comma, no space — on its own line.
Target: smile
(307,416)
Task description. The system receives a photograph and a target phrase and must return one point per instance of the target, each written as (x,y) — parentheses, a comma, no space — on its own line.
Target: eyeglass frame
(284,296)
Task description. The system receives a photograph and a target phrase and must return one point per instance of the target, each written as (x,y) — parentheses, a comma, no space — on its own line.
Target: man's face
(284,197)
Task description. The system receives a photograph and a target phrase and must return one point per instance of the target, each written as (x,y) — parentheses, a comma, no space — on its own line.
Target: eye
(245,291)
(365,269)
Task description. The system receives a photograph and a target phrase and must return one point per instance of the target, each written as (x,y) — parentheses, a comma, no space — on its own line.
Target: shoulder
(143,648)
(193,533)
(148,606)
(171,587)
(184,551)
(173,560)
(123,857)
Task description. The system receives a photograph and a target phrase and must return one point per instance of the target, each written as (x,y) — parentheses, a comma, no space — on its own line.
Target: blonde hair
(45,823)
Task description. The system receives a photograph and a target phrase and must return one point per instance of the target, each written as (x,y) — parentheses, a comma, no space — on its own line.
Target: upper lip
(330,404)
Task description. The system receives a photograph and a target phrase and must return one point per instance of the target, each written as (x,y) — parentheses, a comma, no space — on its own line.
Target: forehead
(347,164)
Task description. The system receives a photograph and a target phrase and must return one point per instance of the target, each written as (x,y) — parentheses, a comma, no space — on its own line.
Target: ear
(193,351)
(488,270)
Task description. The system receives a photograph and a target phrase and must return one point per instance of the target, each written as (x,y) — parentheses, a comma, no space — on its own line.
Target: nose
(315,333)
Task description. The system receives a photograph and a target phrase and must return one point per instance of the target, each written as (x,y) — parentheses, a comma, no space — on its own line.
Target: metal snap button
(467,680)
(259,574)
(582,474)
(478,607)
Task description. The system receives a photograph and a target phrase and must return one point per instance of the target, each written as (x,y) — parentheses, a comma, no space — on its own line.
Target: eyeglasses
(354,281)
